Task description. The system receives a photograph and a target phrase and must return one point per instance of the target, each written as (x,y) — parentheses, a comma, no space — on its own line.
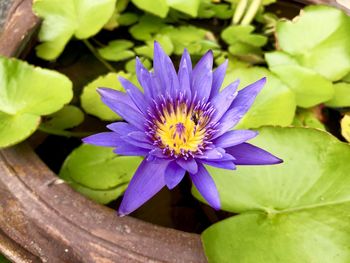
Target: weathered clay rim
(45,222)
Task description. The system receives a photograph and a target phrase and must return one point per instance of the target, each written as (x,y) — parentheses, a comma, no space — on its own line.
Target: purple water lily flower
(180,123)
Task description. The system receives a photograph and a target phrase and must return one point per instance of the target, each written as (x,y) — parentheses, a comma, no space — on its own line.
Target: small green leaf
(156,7)
(345,127)
(16,128)
(309,87)
(190,37)
(91,100)
(127,19)
(341,96)
(317,38)
(307,118)
(346,78)
(64,19)
(164,41)
(146,27)
(185,6)
(145,51)
(275,105)
(117,50)
(130,66)
(208,9)
(68,117)
(239,33)
(99,173)
(297,211)
(26,93)
(241,49)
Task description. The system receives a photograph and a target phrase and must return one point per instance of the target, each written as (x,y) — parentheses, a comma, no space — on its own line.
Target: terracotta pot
(45,222)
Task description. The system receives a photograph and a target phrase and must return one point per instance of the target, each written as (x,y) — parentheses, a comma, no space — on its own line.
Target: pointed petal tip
(104,91)
(278,160)
(262,81)
(120,213)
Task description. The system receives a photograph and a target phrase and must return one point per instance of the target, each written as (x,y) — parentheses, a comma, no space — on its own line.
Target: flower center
(182,129)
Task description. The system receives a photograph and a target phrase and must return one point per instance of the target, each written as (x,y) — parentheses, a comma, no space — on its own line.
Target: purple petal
(232,138)
(206,186)
(139,136)
(164,71)
(229,165)
(146,182)
(189,165)
(185,74)
(158,153)
(202,76)
(218,78)
(173,175)
(121,127)
(127,149)
(223,100)
(138,139)
(247,154)
(108,139)
(135,94)
(115,96)
(212,154)
(144,78)
(239,107)
(114,100)
(186,59)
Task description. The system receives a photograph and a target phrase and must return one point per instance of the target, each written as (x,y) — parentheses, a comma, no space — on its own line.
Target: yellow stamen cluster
(181,129)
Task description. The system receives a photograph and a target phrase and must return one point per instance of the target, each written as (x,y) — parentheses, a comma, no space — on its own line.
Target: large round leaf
(98,172)
(341,96)
(309,87)
(91,100)
(64,19)
(26,93)
(297,211)
(319,38)
(275,105)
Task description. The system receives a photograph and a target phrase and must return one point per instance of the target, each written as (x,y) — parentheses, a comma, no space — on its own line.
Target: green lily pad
(161,7)
(309,87)
(346,78)
(341,96)
(345,127)
(99,173)
(127,19)
(68,117)
(208,9)
(185,6)
(244,34)
(275,105)
(307,118)
(147,26)
(130,66)
(190,37)
(63,19)
(26,93)
(155,7)
(297,211)
(317,38)
(91,100)
(117,50)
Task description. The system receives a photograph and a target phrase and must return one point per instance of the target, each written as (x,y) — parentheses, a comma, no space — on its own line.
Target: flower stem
(239,12)
(251,12)
(64,133)
(95,53)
